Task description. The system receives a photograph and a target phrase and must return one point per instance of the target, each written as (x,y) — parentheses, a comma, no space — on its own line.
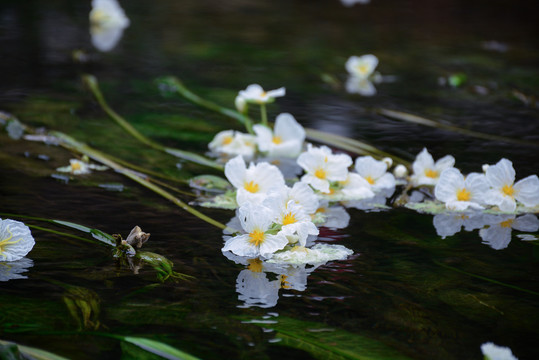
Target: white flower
(355,187)
(321,167)
(459,193)
(498,234)
(252,183)
(233,143)
(301,193)
(15,240)
(361,66)
(375,173)
(255,94)
(426,171)
(504,192)
(286,140)
(79,167)
(108,21)
(288,166)
(451,223)
(495,352)
(296,223)
(360,85)
(256,221)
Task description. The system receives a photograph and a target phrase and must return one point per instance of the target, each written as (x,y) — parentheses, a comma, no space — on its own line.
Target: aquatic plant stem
(355,146)
(98,156)
(263,115)
(91,82)
(399,115)
(486,278)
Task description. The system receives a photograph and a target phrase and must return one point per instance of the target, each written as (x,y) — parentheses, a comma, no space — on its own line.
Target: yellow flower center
(508,190)
(227,140)
(76,166)
(5,242)
(255,265)
(370,180)
(320,173)
(431,173)
(463,195)
(362,69)
(507,223)
(277,140)
(289,219)
(251,186)
(256,237)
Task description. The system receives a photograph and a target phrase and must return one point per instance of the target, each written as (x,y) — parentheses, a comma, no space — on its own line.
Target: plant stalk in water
(91,82)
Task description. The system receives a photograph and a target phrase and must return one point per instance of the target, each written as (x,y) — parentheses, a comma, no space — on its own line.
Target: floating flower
(252,183)
(108,21)
(498,233)
(375,173)
(504,192)
(426,171)
(286,140)
(361,67)
(256,221)
(230,142)
(295,223)
(355,187)
(79,167)
(459,193)
(15,240)
(255,94)
(492,351)
(322,167)
(449,224)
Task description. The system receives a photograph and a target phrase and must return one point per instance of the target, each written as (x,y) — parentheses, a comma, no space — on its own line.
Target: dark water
(406,288)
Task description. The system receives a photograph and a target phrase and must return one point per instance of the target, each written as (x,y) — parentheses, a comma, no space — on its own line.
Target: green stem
(98,156)
(264,115)
(398,115)
(486,279)
(93,85)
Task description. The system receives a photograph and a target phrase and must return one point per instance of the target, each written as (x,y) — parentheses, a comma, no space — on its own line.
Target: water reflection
(13,269)
(495,230)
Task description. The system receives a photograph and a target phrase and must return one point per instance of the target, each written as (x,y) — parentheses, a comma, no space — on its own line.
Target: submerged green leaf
(328,343)
(158,348)
(225,201)
(210,183)
(26,352)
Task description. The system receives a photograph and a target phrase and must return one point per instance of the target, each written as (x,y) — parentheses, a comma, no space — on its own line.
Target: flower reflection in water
(14,269)
(495,230)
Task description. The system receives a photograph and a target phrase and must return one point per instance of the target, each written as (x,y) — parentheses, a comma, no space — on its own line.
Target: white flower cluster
(494,187)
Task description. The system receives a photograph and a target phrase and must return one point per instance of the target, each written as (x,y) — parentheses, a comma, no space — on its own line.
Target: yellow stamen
(508,190)
(227,140)
(255,265)
(463,195)
(277,140)
(370,180)
(431,173)
(256,238)
(7,241)
(76,166)
(289,219)
(363,69)
(320,173)
(251,186)
(507,223)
